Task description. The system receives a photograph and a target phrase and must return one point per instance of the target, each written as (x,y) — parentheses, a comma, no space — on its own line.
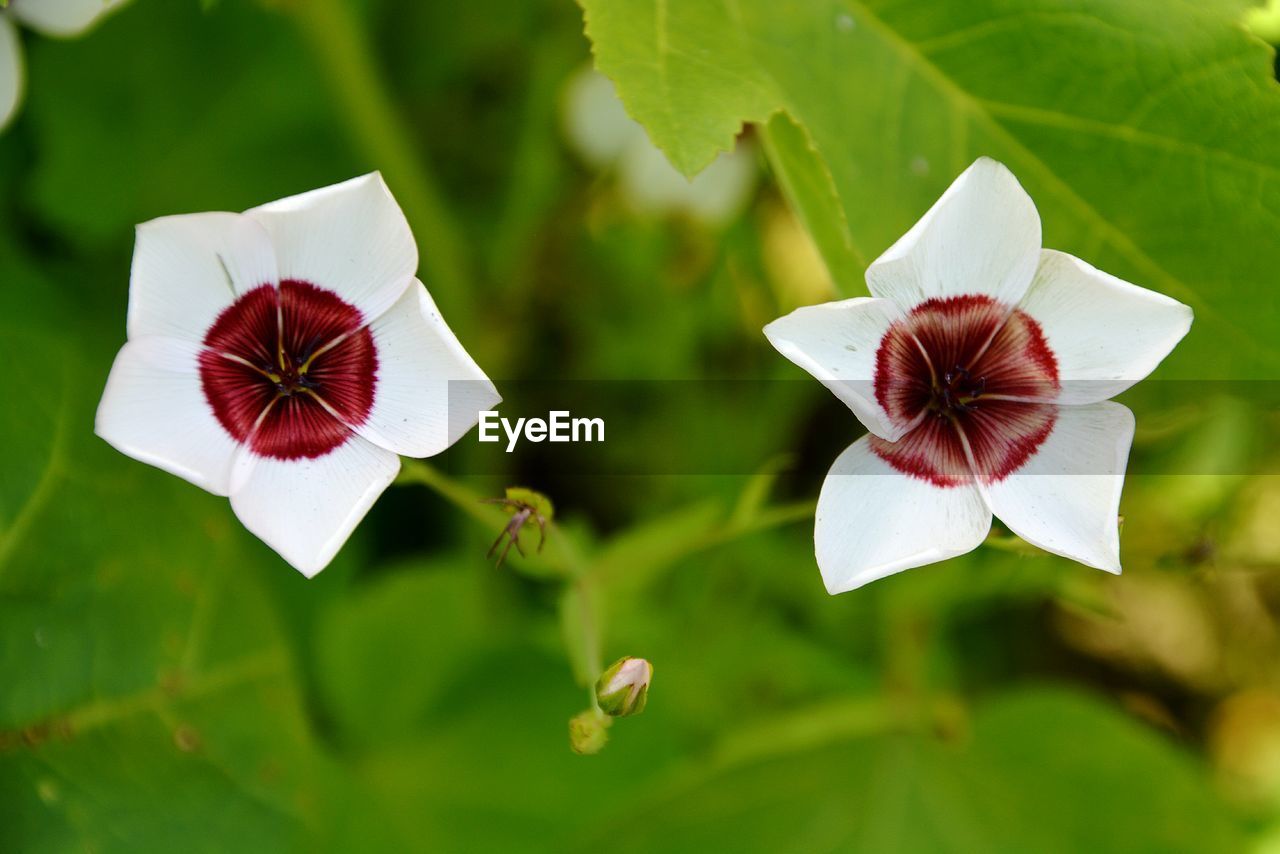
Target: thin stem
(581,629)
(341,47)
(55,470)
(580,620)
(772,517)
(1014,545)
(583,577)
(98,713)
(464,498)
(810,728)
(559,553)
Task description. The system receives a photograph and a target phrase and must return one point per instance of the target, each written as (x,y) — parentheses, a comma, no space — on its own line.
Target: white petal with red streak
(187,269)
(1105,333)
(306,509)
(155,411)
(873,521)
(837,342)
(62,18)
(1066,497)
(429,391)
(12,73)
(350,238)
(981,237)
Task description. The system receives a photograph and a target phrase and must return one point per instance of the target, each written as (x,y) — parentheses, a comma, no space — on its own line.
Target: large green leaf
(1015,782)
(1149,134)
(146,690)
(381,682)
(456,729)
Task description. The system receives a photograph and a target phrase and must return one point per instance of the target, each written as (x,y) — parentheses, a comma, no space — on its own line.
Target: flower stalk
(586,578)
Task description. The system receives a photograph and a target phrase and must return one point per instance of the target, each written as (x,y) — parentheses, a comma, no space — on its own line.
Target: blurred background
(167,683)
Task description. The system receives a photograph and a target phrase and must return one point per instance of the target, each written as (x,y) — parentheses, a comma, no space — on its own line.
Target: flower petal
(187,269)
(873,521)
(350,238)
(715,196)
(1105,333)
(153,409)
(837,342)
(1066,498)
(12,74)
(305,509)
(429,390)
(61,17)
(981,237)
(595,122)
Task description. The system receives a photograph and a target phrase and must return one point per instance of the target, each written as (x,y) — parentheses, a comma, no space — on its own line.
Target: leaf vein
(54,471)
(1111,233)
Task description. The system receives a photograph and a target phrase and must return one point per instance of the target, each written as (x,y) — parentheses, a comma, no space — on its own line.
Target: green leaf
(1037,772)
(225,113)
(380,681)
(491,770)
(807,181)
(147,689)
(642,553)
(1150,141)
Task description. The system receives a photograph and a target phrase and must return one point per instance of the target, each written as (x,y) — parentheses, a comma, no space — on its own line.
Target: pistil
(982,415)
(290,370)
(958,391)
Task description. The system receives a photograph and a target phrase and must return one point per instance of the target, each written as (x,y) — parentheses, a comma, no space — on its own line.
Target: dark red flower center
(289,371)
(972,378)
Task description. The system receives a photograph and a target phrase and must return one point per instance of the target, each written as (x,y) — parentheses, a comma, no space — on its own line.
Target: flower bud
(588,732)
(623,688)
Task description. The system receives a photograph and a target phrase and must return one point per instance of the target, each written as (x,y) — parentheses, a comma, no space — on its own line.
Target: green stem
(582,577)
(579,611)
(771,517)
(341,47)
(580,624)
(810,728)
(464,498)
(1005,543)
(267,665)
(559,557)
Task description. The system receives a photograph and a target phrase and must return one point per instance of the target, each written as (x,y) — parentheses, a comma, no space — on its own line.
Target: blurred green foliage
(167,683)
(1100,107)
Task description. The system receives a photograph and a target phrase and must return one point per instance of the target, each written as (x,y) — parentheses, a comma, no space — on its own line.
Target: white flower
(284,357)
(59,18)
(982,366)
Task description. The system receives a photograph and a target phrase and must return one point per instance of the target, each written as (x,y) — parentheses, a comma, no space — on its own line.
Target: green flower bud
(623,688)
(588,732)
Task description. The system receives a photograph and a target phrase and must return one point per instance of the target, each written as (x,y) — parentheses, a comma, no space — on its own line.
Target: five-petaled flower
(284,357)
(58,18)
(982,366)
